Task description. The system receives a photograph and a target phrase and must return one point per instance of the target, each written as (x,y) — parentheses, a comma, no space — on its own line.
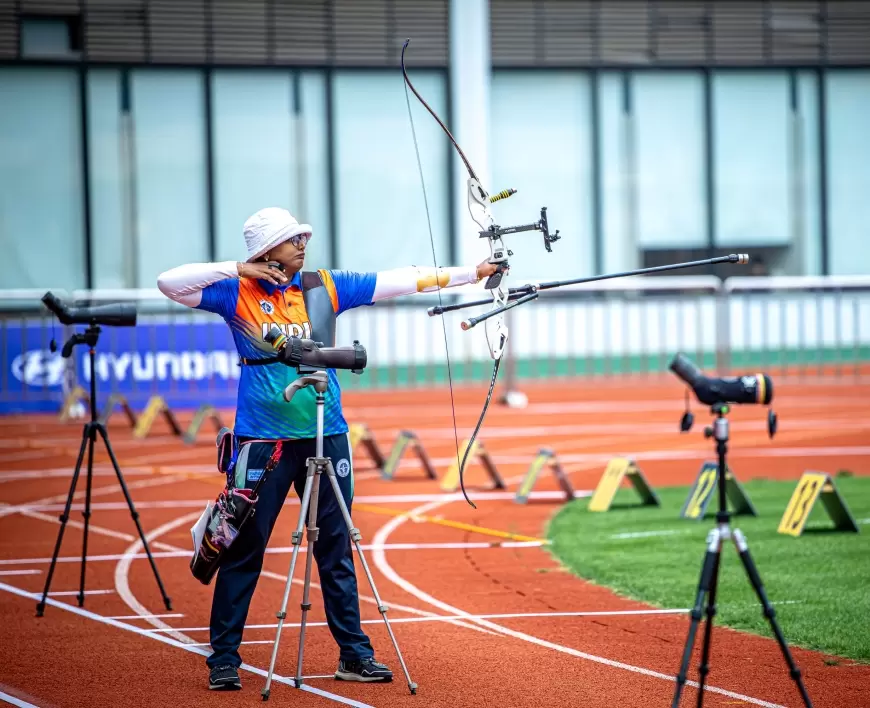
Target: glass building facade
(114,170)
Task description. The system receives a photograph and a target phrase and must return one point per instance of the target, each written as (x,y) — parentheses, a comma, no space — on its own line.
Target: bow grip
(495,279)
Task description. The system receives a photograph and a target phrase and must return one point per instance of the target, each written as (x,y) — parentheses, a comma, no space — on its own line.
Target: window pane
(620,253)
(111,254)
(170,159)
(849,171)
(262,156)
(381,211)
(547,159)
(669,128)
(41,219)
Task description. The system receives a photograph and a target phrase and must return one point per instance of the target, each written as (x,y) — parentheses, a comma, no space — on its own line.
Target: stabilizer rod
(523,290)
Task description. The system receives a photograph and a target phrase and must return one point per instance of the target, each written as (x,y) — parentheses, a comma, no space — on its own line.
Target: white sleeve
(420,279)
(185,283)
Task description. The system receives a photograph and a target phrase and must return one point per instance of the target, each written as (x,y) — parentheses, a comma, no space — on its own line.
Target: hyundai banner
(187,365)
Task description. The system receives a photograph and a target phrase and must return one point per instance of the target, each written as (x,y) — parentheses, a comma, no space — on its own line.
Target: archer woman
(270,287)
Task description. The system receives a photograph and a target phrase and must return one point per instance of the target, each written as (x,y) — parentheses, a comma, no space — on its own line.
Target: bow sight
(540,225)
(494,233)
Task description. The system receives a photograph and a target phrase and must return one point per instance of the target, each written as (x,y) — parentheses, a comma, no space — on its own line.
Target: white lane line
(95,492)
(108,471)
(29,571)
(293,501)
(101,530)
(6,698)
(646,534)
(60,593)
(278,550)
(122,579)
(172,642)
(136,617)
(386,569)
(447,618)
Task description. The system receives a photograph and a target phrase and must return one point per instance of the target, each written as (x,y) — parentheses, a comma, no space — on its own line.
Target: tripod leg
(282,613)
(40,606)
(356,537)
(306,588)
(92,435)
(769,612)
(711,558)
(134,514)
(704,669)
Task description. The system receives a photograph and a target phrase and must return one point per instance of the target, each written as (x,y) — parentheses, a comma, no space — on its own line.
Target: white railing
(796,325)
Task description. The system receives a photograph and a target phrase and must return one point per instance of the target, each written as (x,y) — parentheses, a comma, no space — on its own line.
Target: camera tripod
(89,436)
(710,575)
(317,466)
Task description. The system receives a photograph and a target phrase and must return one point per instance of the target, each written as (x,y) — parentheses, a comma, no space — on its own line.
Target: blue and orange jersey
(250,307)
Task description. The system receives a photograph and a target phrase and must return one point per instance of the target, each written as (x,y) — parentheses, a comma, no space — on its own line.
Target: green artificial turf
(818,582)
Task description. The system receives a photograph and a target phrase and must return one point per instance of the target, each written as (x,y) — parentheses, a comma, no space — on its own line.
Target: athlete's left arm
(349,289)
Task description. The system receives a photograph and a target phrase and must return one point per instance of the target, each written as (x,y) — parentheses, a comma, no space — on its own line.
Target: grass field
(818,582)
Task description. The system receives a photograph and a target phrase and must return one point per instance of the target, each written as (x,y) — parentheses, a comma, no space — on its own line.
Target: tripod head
(90,337)
(308,377)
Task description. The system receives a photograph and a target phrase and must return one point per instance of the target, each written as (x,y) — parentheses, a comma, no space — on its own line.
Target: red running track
(443,568)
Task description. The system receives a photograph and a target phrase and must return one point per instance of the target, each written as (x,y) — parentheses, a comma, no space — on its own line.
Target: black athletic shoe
(366,670)
(224,678)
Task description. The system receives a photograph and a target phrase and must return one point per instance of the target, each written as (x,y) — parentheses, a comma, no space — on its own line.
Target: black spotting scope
(295,351)
(751,388)
(116,314)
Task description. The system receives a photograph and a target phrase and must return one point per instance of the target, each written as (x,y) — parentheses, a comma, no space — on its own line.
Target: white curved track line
(123,588)
(10,509)
(122,579)
(381,563)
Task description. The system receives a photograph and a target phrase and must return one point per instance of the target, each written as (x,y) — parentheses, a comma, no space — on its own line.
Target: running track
(482,613)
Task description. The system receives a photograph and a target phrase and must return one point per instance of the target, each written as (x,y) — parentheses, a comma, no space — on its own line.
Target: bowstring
(435,261)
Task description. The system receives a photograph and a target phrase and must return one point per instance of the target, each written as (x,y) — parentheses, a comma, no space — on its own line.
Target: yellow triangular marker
(810,487)
(204,411)
(116,399)
(156,405)
(545,457)
(360,433)
(406,438)
(617,469)
(450,483)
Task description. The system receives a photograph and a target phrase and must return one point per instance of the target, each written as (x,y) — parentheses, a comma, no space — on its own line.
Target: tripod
(710,576)
(89,436)
(317,466)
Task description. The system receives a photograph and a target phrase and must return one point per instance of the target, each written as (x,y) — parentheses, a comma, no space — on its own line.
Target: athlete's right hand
(262,271)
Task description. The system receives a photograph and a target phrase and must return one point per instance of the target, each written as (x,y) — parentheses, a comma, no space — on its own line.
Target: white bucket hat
(268,227)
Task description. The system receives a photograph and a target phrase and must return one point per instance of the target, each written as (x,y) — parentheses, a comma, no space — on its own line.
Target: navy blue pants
(241,565)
